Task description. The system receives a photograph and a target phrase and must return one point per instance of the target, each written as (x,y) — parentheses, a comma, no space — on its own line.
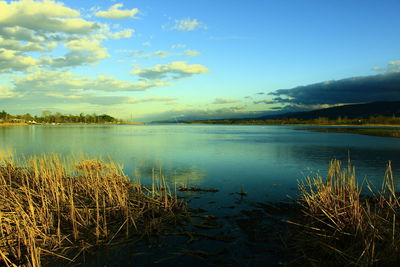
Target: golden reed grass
(342,227)
(51,203)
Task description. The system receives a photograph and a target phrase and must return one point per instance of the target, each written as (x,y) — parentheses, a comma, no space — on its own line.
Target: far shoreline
(299,124)
(380,130)
(206,123)
(65,123)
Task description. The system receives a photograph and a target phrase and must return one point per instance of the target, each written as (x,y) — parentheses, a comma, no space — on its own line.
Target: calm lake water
(266,161)
(259,158)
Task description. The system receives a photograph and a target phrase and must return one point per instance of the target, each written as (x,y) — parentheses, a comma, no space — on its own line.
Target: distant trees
(393,120)
(346,121)
(4,116)
(49,117)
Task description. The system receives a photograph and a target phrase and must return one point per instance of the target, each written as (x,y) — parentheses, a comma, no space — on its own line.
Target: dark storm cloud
(382,87)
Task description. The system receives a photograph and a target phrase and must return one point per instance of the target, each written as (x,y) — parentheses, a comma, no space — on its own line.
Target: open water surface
(264,161)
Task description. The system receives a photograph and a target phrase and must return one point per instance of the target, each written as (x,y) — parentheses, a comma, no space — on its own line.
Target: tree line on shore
(387,120)
(49,117)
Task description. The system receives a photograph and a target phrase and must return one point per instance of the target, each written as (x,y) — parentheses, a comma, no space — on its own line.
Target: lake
(264,161)
(255,157)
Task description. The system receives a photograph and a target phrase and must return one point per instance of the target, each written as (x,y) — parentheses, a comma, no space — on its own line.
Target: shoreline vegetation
(375,126)
(50,205)
(340,225)
(320,121)
(68,123)
(49,118)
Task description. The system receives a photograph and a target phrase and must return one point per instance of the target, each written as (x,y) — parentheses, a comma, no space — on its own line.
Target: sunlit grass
(51,203)
(343,227)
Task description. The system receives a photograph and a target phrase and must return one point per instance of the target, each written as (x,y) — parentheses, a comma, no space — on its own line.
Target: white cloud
(114,12)
(111,84)
(175,70)
(127,33)
(392,66)
(49,82)
(60,95)
(84,45)
(37,37)
(43,15)
(130,100)
(234,108)
(161,54)
(71,59)
(82,51)
(178,46)
(188,24)
(104,32)
(7,92)
(65,82)
(224,101)
(20,33)
(27,46)
(376,68)
(264,101)
(11,60)
(190,53)
(40,26)
(104,100)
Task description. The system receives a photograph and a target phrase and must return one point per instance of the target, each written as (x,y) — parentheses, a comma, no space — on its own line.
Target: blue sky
(155,60)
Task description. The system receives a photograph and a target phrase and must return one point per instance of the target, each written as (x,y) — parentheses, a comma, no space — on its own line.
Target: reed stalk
(47,205)
(341,226)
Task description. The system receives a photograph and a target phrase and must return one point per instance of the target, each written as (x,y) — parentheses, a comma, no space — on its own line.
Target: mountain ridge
(352,111)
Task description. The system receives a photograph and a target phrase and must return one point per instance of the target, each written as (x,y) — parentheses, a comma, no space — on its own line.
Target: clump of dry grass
(47,207)
(342,227)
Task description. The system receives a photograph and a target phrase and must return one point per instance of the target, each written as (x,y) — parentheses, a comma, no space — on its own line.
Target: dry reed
(342,227)
(50,203)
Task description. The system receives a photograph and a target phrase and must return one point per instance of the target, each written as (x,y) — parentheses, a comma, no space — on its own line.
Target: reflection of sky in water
(266,160)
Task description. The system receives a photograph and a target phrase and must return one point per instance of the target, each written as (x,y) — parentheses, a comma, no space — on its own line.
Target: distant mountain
(354,111)
(350,111)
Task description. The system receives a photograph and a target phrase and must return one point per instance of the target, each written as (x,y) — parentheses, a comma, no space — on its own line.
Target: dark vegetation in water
(383,132)
(196,189)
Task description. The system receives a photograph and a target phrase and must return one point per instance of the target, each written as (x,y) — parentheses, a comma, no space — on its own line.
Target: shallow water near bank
(263,161)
